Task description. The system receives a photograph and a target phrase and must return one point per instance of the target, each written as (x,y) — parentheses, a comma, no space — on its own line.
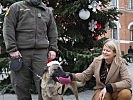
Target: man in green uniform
(29,32)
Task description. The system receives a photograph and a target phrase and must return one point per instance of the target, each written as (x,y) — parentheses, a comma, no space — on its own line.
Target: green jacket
(29,27)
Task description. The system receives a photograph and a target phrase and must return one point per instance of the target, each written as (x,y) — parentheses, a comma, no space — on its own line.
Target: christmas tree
(80,22)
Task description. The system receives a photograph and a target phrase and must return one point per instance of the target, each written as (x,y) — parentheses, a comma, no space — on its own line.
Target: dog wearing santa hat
(51,88)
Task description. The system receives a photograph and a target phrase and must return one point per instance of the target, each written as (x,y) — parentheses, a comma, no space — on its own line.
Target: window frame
(113,3)
(131,33)
(130,4)
(114,32)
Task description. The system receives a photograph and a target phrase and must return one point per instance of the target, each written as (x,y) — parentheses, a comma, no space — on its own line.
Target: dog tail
(81,84)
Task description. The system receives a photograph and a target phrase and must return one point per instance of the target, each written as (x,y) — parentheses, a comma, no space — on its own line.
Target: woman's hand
(102,94)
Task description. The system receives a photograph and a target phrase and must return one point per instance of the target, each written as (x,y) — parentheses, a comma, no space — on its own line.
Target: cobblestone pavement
(87,95)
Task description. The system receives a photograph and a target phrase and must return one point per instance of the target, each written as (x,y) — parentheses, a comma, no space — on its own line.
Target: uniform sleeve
(9,25)
(52,33)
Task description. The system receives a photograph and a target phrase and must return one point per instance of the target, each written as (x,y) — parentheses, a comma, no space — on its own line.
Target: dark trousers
(21,81)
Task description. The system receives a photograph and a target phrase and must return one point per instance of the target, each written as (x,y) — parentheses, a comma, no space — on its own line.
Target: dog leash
(35,73)
(63,87)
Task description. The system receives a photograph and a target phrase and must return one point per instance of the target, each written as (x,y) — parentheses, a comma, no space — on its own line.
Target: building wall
(125,19)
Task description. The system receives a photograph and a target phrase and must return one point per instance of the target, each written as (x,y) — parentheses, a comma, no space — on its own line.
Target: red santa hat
(53,62)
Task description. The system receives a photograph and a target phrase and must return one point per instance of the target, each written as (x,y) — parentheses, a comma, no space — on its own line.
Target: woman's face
(108,54)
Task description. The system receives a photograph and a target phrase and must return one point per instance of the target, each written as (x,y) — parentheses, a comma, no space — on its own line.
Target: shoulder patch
(7,12)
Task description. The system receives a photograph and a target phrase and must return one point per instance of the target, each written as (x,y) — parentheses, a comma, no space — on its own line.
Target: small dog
(52,90)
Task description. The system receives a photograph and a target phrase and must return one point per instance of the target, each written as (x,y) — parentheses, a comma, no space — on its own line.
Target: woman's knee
(125,94)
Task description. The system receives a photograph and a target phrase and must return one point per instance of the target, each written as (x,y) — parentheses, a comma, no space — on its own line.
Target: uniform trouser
(124,94)
(36,59)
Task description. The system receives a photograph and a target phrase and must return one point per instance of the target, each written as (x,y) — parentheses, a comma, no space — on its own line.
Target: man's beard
(36,2)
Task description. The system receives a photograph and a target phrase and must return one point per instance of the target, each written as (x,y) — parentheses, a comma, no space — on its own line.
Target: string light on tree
(57,17)
(57,4)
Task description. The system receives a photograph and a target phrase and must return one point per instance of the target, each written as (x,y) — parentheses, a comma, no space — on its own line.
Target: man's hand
(15,54)
(51,54)
(102,94)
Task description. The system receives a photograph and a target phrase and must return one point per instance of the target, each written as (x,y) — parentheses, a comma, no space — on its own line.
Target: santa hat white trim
(53,62)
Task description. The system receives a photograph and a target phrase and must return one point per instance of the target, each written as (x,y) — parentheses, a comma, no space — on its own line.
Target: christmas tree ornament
(95,6)
(99,26)
(84,14)
(92,25)
(95,37)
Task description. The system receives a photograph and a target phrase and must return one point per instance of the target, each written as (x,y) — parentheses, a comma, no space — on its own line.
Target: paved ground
(87,95)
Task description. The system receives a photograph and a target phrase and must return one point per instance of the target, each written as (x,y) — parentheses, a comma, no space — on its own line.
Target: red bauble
(99,26)
(95,37)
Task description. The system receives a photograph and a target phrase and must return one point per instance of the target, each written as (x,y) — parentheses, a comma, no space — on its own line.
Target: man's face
(36,2)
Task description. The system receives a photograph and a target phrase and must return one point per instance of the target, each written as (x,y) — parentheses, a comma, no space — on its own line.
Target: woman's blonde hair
(115,46)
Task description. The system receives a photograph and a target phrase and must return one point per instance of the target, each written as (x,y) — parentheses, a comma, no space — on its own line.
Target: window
(113,3)
(130,4)
(131,32)
(114,33)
